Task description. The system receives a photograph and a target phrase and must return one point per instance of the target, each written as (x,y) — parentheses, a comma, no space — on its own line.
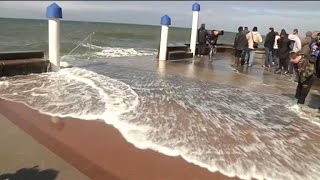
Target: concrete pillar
(165,22)
(54,14)
(194,30)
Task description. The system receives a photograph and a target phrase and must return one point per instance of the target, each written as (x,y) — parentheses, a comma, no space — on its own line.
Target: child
(304,67)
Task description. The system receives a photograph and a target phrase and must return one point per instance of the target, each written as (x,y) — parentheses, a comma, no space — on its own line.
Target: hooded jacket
(256,37)
(202,35)
(283,44)
(305,42)
(240,41)
(297,42)
(269,42)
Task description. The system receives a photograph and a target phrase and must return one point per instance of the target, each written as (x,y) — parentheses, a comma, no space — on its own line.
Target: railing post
(194,30)
(165,22)
(54,13)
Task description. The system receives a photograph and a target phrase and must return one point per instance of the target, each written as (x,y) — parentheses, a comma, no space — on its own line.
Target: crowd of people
(290,54)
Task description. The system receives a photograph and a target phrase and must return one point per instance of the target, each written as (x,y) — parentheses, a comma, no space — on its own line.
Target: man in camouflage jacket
(304,65)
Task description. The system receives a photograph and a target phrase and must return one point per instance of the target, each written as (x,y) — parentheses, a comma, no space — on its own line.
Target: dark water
(196,110)
(25,34)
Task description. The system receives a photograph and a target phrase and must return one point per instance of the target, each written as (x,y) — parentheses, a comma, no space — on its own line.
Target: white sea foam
(109,52)
(72,92)
(64,64)
(222,128)
(306,113)
(119,51)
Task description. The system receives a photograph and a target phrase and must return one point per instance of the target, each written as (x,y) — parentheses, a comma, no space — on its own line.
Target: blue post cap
(165,20)
(54,11)
(196,7)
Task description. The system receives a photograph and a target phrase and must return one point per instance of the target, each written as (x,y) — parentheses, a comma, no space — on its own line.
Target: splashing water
(219,127)
(72,92)
(109,52)
(120,52)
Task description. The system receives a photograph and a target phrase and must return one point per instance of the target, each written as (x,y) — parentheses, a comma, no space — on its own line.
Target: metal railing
(84,40)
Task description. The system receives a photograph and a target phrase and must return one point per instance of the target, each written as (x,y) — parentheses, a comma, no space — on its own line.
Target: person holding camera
(212,39)
(254,38)
(304,66)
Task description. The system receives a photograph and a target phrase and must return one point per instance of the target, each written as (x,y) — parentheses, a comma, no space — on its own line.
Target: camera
(217,32)
(315,50)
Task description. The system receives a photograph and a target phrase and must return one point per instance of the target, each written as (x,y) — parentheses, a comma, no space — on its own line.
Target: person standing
(254,38)
(305,42)
(268,47)
(202,39)
(283,52)
(240,44)
(275,49)
(246,50)
(296,46)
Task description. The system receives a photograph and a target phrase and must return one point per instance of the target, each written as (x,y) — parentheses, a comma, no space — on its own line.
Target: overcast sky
(228,15)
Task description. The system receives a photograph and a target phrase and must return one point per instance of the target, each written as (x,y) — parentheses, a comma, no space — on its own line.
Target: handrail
(89,36)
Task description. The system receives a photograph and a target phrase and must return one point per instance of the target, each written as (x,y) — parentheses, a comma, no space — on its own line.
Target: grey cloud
(216,14)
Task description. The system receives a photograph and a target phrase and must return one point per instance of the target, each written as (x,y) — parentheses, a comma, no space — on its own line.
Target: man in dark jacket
(240,44)
(304,67)
(268,45)
(283,52)
(202,39)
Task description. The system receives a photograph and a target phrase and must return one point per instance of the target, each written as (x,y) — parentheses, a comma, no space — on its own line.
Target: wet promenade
(239,124)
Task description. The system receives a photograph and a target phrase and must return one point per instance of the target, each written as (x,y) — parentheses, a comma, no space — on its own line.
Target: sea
(109,39)
(237,131)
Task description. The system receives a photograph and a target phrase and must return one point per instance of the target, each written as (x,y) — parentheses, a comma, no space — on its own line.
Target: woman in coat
(283,52)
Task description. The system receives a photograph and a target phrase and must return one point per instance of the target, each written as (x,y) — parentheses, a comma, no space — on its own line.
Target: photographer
(212,39)
(304,67)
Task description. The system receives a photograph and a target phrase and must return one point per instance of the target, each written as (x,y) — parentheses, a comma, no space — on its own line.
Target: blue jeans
(251,56)
(246,54)
(268,56)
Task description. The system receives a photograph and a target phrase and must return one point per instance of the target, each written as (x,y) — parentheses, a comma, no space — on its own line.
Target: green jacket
(305,68)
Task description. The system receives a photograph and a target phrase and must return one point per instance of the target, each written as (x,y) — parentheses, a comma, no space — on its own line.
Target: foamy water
(109,52)
(219,127)
(120,51)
